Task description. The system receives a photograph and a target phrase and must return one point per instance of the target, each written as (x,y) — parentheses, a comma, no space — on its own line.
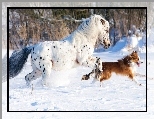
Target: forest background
(30,26)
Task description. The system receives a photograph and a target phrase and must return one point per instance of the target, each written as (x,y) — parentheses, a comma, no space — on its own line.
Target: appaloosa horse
(76,49)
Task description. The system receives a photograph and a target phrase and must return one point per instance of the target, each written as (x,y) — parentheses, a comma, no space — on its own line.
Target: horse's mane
(88,22)
(85,23)
(87,28)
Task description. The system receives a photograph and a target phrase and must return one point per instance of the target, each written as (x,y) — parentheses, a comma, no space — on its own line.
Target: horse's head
(103,36)
(96,29)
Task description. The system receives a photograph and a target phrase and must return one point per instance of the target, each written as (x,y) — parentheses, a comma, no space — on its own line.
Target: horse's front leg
(96,64)
(93,62)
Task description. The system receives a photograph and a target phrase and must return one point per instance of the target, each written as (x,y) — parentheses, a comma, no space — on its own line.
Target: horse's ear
(103,21)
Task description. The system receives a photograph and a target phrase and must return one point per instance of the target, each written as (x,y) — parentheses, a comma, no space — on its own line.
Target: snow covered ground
(68,93)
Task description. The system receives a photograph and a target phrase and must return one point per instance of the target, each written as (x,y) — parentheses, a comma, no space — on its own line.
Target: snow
(77,93)
(68,93)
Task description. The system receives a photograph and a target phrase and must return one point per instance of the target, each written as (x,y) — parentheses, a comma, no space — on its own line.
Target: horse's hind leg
(45,68)
(36,73)
(32,76)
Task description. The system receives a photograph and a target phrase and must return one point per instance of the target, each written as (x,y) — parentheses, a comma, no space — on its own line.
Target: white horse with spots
(76,49)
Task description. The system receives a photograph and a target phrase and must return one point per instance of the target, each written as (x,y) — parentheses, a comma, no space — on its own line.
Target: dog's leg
(131,76)
(98,64)
(100,84)
(101,79)
(97,75)
(138,74)
(87,76)
(141,75)
(94,80)
(134,79)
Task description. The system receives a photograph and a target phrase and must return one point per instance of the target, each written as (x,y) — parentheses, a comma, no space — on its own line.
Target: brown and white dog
(125,67)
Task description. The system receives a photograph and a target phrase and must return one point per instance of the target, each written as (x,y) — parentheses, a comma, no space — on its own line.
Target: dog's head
(134,57)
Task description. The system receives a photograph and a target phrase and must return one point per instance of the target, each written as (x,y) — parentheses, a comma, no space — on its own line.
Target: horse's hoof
(85,77)
(28,83)
(44,83)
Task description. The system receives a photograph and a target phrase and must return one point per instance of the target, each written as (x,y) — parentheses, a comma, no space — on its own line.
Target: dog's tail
(17,61)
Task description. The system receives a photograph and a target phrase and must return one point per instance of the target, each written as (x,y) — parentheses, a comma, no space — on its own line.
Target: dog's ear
(135,51)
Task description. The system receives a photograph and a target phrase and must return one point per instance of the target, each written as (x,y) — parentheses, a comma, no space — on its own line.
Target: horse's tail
(17,61)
